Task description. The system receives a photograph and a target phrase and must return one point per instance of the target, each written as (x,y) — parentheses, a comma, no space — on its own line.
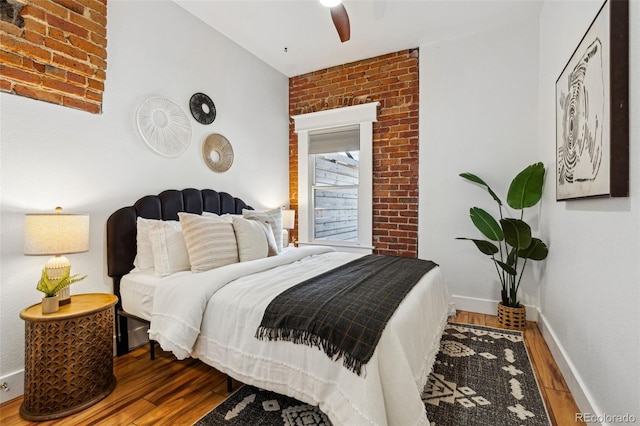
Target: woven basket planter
(512,318)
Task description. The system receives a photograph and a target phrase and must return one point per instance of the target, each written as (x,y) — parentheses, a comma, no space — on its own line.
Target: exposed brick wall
(56,53)
(393,81)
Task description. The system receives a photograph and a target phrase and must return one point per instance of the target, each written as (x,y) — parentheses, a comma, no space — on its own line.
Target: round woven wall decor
(164,126)
(202,108)
(217,153)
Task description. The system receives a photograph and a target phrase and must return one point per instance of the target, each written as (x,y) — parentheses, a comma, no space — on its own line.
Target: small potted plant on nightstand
(511,244)
(51,287)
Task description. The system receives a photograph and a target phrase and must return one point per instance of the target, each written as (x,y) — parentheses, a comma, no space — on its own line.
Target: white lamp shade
(330,3)
(56,234)
(288,219)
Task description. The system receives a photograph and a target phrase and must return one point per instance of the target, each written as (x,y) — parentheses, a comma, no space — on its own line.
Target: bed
(213,315)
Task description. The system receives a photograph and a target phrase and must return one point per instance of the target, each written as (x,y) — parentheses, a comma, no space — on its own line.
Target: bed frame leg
(152,349)
(122,341)
(229,384)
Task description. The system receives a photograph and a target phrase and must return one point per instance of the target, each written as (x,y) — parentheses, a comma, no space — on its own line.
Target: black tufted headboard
(121,225)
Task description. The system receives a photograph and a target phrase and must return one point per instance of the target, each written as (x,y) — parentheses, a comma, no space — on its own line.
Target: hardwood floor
(170,392)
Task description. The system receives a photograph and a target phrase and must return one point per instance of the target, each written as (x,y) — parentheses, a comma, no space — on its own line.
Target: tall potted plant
(510,243)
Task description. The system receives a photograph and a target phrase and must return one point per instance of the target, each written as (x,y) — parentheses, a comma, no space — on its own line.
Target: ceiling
(298,36)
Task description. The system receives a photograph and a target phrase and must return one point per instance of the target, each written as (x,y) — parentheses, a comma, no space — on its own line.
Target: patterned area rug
(482,376)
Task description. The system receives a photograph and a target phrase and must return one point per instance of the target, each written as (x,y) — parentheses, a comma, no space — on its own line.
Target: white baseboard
(576,385)
(15,386)
(489,307)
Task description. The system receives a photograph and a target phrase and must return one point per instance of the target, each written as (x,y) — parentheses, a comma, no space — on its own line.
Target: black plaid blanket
(343,311)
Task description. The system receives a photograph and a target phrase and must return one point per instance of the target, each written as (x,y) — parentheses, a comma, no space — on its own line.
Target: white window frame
(364,116)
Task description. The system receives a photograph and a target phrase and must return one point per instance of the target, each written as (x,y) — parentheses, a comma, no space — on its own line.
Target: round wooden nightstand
(68,362)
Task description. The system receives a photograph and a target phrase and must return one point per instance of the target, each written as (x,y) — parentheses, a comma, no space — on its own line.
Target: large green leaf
(512,257)
(537,250)
(475,179)
(509,269)
(484,246)
(486,224)
(526,188)
(516,233)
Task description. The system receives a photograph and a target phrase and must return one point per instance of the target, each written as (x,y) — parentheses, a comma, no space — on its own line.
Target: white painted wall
(488,107)
(591,285)
(94,164)
(478,114)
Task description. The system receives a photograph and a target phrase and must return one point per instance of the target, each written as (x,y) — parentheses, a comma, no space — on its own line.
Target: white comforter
(214,315)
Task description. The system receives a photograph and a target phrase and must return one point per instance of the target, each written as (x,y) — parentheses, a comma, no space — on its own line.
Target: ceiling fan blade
(341,21)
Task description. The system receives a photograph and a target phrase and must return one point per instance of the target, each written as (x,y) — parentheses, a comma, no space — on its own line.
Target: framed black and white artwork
(592,110)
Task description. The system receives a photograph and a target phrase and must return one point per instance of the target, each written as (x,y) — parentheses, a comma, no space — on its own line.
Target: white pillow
(144,256)
(252,239)
(169,249)
(210,243)
(271,241)
(271,217)
(222,218)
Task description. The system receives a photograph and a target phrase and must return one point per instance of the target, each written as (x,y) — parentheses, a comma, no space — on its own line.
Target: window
(335,154)
(335,177)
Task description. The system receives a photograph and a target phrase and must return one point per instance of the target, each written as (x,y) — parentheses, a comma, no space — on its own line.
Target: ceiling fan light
(330,3)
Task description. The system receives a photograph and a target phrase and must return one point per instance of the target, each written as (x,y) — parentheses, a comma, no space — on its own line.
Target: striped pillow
(210,242)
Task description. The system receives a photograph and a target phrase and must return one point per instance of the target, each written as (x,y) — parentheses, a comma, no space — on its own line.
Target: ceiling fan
(339,17)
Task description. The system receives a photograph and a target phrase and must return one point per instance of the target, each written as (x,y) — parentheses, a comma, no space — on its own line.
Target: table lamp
(288,222)
(56,234)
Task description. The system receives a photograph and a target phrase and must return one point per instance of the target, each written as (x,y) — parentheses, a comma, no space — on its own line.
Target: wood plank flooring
(170,392)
